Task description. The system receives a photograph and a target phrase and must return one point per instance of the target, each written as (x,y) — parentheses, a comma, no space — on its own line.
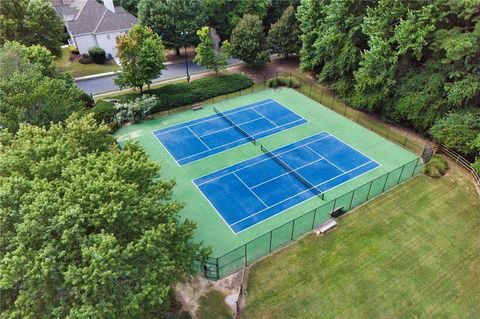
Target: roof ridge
(100,21)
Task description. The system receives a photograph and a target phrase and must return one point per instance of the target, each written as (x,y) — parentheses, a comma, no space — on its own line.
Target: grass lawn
(77,69)
(412,253)
(213,306)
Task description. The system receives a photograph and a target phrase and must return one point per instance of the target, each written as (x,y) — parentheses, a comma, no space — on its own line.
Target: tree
(16,57)
(141,55)
(459,130)
(248,41)
(209,54)
(34,98)
(88,229)
(31,22)
(176,21)
(283,37)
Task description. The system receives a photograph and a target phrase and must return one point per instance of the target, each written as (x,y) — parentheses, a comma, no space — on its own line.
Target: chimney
(109,5)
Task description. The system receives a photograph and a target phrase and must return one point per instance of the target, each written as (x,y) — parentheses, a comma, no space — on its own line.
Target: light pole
(184,36)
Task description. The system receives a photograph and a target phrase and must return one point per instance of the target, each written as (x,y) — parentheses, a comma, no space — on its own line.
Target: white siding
(107,41)
(85,42)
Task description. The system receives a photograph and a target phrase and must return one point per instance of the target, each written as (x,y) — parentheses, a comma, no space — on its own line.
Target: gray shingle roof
(93,17)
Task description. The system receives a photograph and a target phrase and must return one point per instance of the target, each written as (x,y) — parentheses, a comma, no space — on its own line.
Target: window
(108,36)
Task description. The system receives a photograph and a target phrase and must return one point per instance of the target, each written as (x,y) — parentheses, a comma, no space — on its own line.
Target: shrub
(85,59)
(281,80)
(174,95)
(98,55)
(273,83)
(87,98)
(104,111)
(436,167)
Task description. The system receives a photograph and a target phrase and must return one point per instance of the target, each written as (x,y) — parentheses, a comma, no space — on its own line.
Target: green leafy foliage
(34,98)
(179,94)
(16,57)
(459,130)
(31,22)
(283,37)
(176,21)
(98,55)
(288,81)
(208,56)
(88,229)
(104,111)
(248,41)
(135,110)
(141,56)
(436,167)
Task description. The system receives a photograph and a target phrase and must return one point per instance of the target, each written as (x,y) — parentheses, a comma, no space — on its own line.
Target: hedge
(280,80)
(179,94)
(104,111)
(98,55)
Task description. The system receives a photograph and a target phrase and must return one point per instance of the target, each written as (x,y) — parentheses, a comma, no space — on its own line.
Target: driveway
(105,84)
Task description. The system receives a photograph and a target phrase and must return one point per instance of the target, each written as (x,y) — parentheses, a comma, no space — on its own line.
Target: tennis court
(194,140)
(254,190)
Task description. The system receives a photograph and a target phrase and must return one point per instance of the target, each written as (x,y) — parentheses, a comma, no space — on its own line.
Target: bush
(87,98)
(436,167)
(104,111)
(98,55)
(85,59)
(179,94)
(291,82)
(273,83)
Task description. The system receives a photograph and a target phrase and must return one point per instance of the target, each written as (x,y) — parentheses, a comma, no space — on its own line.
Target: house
(92,24)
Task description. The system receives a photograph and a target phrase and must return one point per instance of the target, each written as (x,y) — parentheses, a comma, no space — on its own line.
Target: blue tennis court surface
(197,139)
(254,190)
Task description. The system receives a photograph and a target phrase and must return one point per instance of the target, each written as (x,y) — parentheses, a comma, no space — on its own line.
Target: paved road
(105,84)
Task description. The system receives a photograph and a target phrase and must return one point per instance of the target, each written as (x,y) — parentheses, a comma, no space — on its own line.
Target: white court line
(263,220)
(307,190)
(324,158)
(263,116)
(243,138)
(250,190)
(229,127)
(284,152)
(210,117)
(198,138)
(288,172)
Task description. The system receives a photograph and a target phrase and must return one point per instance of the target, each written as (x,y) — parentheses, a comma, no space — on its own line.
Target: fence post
(369,188)
(314,217)
(401,172)
(345,110)
(290,80)
(310,94)
(358,117)
(385,184)
(388,133)
(351,200)
(416,165)
(217,268)
(246,258)
(405,142)
(276,77)
(271,233)
(293,229)
(321,95)
(252,88)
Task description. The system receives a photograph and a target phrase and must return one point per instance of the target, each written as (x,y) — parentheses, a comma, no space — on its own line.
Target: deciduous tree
(88,229)
(141,55)
(212,58)
(176,21)
(248,41)
(283,37)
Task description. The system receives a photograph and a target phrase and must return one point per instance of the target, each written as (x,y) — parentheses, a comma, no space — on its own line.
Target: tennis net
(241,130)
(310,186)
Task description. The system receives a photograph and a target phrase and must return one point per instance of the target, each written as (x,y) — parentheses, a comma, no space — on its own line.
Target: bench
(326,226)
(197,107)
(337,212)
